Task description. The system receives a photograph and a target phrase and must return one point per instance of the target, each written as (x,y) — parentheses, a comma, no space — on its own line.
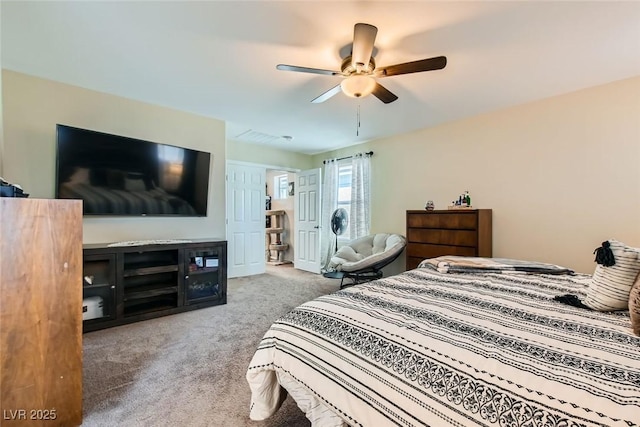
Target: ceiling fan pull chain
(358,122)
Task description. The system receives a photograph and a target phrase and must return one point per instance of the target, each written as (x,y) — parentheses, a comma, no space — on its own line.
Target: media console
(133,282)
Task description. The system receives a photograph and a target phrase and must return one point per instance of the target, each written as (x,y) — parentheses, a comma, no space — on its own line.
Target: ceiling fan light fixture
(358,85)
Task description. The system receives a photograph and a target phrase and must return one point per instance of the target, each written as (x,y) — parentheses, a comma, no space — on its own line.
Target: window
(280,185)
(344,192)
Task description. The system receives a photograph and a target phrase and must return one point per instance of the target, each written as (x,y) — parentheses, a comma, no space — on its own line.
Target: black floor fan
(339,223)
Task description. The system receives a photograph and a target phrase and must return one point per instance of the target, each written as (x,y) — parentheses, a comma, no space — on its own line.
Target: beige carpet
(189,369)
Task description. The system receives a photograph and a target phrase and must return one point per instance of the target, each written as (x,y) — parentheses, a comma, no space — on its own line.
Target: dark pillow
(98,177)
(115,179)
(634,306)
(610,286)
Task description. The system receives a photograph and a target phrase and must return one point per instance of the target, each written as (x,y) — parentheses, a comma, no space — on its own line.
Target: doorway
(250,194)
(279,215)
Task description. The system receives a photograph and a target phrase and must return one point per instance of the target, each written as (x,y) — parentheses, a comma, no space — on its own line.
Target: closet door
(245,219)
(307,220)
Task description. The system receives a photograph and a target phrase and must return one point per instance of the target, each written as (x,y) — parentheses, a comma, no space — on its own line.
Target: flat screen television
(116,175)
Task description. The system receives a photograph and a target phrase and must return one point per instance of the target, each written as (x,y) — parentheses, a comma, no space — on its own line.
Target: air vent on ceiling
(253,136)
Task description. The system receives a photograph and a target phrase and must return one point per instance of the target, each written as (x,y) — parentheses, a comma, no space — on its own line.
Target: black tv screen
(117,175)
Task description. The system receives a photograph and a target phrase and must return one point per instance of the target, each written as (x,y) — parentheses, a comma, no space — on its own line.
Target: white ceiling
(218,58)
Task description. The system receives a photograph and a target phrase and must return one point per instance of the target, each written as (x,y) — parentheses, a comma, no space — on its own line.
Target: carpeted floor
(189,369)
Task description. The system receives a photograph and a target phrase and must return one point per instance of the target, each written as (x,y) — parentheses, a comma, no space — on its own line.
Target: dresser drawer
(455,220)
(443,237)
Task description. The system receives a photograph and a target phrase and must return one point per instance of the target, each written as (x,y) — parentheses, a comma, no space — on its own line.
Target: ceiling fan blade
(285,67)
(383,94)
(364,36)
(328,94)
(436,63)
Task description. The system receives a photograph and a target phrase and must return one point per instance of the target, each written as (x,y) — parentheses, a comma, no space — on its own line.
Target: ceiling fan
(359,69)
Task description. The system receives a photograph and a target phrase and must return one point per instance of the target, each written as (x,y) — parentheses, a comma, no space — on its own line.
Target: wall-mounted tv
(117,175)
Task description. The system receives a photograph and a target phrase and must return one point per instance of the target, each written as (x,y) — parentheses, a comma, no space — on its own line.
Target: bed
(444,347)
(135,201)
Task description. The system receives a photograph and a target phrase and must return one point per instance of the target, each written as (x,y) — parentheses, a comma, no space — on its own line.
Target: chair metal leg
(357,278)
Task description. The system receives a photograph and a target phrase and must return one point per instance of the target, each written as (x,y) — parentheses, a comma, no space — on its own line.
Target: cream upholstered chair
(362,259)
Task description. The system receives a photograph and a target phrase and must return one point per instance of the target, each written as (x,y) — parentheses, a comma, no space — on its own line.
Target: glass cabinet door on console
(99,290)
(203,275)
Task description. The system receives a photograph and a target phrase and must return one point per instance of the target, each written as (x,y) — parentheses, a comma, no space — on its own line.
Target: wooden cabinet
(452,232)
(40,316)
(124,284)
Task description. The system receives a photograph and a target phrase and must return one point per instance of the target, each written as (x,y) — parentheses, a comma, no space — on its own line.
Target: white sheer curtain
(329,204)
(360,214)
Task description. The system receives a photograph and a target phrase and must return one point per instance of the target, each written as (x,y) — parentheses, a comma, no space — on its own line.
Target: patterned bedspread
(99,200)
(427,348)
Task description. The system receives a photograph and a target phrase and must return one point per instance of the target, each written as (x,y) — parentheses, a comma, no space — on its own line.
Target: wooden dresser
(40,312)
(452,232)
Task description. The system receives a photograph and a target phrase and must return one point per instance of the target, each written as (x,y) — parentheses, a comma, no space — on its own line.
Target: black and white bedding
(451,349)
(98,200)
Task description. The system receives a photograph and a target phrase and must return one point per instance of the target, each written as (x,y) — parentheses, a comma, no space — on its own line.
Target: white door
(307,220)
(246,193)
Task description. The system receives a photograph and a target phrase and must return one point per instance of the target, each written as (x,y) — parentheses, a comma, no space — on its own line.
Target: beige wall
(32,108)
(263,155)
(561,174)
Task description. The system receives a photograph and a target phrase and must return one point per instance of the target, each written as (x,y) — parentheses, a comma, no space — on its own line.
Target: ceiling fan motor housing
(348,69)
(358,80)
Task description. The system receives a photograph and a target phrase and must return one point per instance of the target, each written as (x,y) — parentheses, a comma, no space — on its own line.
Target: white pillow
(134,184)
(80,176)
(610,286)
(348,254)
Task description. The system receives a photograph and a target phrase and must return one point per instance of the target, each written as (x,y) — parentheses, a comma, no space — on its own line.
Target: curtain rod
(368,153)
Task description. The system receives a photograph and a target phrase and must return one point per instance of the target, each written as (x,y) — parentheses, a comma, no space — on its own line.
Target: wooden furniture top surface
(155,246)
(446,211)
